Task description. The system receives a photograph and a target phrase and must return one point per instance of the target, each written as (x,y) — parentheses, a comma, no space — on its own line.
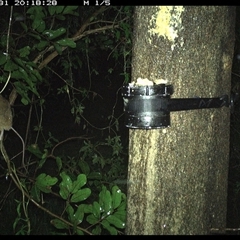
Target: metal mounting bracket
(149,107)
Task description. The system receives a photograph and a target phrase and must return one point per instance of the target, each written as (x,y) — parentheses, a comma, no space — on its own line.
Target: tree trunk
(177,179)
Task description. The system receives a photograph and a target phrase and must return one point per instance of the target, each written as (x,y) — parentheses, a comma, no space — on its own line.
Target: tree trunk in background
(177,179)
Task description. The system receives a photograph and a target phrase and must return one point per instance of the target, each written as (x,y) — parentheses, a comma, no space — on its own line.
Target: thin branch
(12,173)
(66,140)
(87,22)
(73,88)
(75,38)
(79,32)
(7,47)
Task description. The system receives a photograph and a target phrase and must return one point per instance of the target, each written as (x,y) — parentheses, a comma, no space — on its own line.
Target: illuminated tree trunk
(177,180)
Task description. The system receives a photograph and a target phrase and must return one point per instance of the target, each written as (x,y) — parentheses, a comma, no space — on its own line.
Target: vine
(37,43)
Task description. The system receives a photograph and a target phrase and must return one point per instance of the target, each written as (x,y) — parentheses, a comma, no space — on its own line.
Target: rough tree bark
(177,179)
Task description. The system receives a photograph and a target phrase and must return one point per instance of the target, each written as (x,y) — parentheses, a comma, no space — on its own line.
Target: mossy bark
(177,179)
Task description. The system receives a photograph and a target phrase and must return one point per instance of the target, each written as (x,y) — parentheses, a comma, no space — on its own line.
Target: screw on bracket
(149,107)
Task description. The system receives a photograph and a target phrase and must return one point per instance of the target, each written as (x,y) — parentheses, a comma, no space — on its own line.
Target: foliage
(43,50)
(47,32)
(108,212)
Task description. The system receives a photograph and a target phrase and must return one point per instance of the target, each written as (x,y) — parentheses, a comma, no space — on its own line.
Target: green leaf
(70,212)
(3,58)
(51,34)
(84,167)
(33,79)
(87,208)
(36,22)
(81,181)
(98,159)
(79,232)
(37,14)
(106,225)
(92,219)
(95,175)
(37,74)
(122,206)
(59,224)
(97,230)
(65,186)
(34,65)
(30,68)
(116,197)
(10,66)
(21,64)
(58,48)
(70,10)
(3,41)
(117,35)
(43,158)
(121,214)
(34,149)
(35,193)
(60,17)
(96,209)
(41,26)
(25,51)
(32,10)
(41,45)
(59,9)
(21,89)
(81,195)
(67,42)
(35,36)
(45,182)
(79,214)
(115,221)
(52,10)
(59,163)
(34,90)
(25,101)
(105,200)
(25,76)
(24,26)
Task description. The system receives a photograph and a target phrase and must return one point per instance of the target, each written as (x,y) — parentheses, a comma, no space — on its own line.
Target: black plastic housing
(149,107)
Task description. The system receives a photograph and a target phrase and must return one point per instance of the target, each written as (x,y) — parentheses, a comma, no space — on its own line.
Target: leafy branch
(77,36)
(55,53)
(43,35)
(108,212)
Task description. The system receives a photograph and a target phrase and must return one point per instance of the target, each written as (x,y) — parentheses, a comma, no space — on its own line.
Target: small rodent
(5,114)
(6,122)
